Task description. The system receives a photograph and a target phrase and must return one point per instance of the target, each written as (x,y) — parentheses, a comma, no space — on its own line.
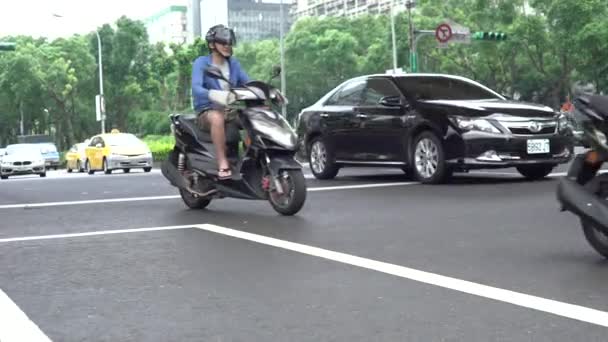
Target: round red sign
(443,33)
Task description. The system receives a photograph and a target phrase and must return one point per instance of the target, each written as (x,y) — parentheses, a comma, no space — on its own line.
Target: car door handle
(324,115)
(362,116)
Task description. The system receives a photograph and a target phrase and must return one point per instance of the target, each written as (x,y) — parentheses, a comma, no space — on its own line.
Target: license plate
(537,146)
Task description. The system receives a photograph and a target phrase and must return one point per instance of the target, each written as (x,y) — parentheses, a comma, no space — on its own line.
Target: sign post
(100,109)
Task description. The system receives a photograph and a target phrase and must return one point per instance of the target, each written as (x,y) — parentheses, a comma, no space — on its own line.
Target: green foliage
(160,145)
(551,45)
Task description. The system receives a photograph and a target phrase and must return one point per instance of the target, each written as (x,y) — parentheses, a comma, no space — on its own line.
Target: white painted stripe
(361,186)
(108,200)
(15,326)
(63,175)
(102,232)
(572,311)
(517,174)
(154,198)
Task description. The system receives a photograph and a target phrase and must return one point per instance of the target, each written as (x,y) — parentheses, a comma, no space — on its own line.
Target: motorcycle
(265,168)
(584,191)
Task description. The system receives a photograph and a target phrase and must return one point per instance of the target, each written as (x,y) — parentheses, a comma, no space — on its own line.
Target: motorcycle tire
(294,185)
(193,202)
(596,238)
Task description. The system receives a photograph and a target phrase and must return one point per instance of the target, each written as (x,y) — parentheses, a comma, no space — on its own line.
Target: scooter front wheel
(193,202)
(293,196)
(596,238)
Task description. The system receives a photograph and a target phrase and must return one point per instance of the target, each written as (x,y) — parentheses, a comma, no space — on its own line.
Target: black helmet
(221,34)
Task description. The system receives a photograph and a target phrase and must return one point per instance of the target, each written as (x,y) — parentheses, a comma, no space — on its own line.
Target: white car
(22,159)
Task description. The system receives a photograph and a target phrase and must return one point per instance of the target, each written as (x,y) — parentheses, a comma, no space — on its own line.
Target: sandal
(227,174)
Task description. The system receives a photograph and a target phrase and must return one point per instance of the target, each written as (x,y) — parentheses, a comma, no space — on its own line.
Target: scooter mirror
(276,70)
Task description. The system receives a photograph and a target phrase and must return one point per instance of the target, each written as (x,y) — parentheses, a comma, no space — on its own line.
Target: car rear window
(122,139)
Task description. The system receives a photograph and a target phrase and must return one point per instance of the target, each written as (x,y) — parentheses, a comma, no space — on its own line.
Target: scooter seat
(599,104)
(189,124)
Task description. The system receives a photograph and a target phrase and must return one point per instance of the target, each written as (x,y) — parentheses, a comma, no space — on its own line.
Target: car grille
(527,131)
(530,127)
(22,163)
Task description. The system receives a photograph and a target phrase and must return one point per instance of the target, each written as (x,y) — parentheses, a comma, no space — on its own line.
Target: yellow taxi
(116,150)
(76,157)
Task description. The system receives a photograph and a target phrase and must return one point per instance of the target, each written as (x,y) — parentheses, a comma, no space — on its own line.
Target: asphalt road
(213,275)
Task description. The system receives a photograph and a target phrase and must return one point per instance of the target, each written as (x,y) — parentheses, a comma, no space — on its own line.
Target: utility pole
(103,114)
(21,121)
(393,36)
(101,99)
(413,58)
(283,78)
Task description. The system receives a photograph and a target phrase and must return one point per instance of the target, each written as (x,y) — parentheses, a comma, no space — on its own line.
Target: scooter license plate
(538,146)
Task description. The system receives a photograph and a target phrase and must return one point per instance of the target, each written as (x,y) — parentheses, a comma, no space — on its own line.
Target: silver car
(22,159)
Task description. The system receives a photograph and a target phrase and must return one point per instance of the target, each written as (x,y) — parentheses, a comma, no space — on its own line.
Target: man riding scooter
(211,96)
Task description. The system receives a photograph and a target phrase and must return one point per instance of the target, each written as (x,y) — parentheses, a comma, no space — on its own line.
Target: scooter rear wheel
(294,193)
(193,202)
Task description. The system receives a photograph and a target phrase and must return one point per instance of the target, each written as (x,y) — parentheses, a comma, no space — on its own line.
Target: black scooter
(265,168)
(584,191)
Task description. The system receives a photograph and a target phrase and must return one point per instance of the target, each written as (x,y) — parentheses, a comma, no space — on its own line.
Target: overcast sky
(35,17)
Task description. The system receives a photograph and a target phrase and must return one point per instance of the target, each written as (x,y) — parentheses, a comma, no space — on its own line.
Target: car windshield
(48,148)
(22,148)
(444,88)
(122,139)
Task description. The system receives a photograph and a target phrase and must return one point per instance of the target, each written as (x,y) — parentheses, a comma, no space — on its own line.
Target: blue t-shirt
(201,84)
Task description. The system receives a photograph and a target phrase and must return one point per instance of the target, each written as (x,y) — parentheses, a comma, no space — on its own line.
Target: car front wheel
(321,159)
(428,159)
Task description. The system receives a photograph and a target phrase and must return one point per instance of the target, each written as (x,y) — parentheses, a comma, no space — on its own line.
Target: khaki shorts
(203,122)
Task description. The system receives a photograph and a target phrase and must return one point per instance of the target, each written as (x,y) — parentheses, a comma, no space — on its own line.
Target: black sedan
(431,125)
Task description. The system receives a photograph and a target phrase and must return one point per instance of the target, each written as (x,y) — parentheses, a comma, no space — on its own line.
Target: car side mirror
(392,101)
(215,72)
(98,145)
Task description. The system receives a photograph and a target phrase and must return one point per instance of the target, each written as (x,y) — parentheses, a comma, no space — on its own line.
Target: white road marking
(516,174)
(102,232)
(109,200)
(63,175)
(154,198)
(361,186)
(15,326)
(558,308)
(572,311)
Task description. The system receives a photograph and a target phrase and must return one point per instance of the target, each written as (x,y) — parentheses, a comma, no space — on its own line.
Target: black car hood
(488,107)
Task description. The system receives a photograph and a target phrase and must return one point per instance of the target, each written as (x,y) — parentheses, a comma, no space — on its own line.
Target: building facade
(342,8)
(252,20)
(168,26)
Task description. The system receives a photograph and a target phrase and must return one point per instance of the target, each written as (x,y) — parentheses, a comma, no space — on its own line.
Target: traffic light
(483,35)
(7,46)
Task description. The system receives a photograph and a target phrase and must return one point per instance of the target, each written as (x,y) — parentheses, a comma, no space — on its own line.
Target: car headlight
(475,124)
(563,123)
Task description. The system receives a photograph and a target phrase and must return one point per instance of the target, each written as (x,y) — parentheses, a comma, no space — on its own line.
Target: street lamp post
(283,78)
(413,58)
(103,116)
(393,37)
